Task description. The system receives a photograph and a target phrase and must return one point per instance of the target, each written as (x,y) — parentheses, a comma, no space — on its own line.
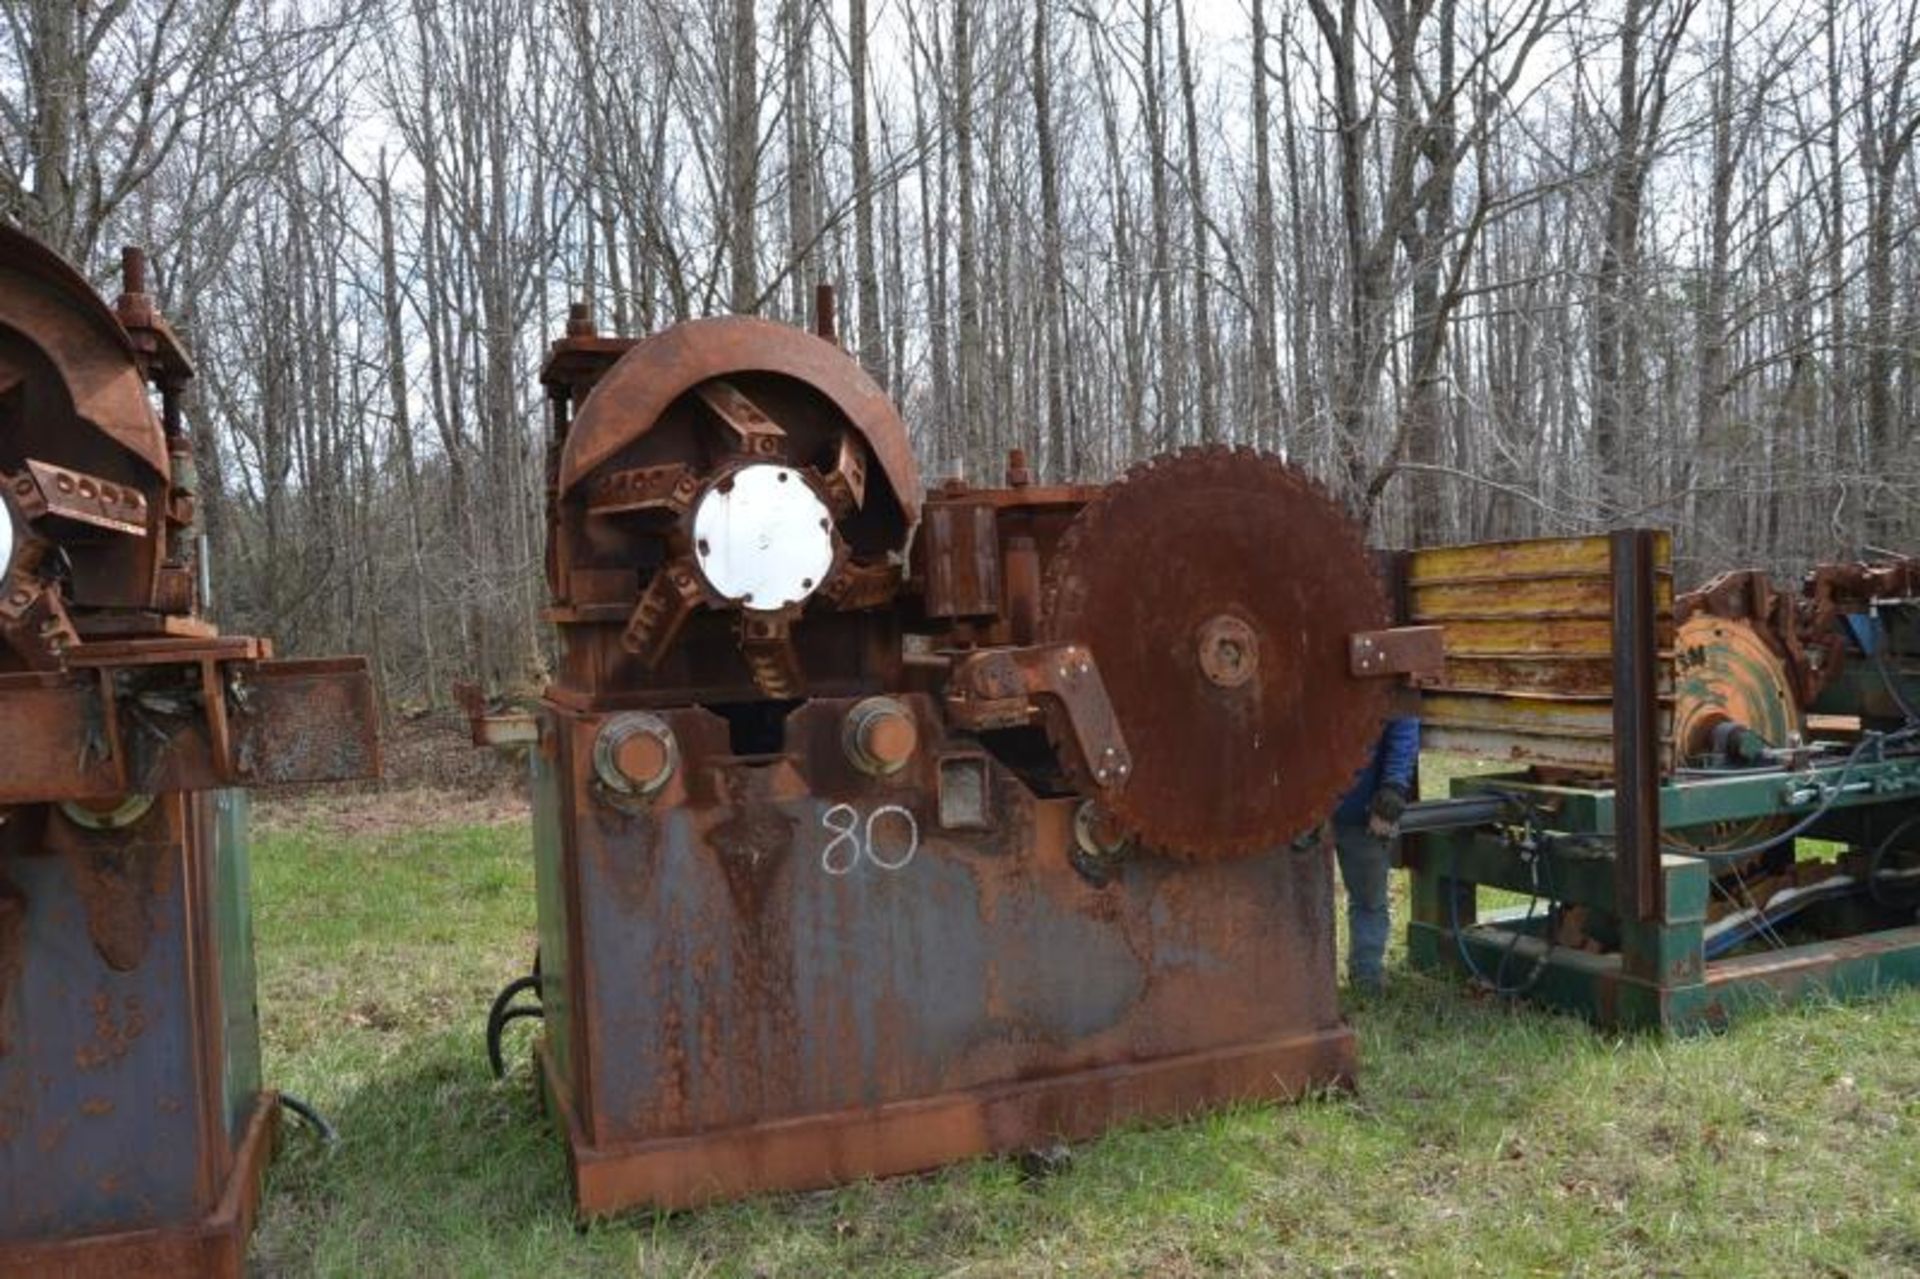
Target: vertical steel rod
(824,324)
(1636,726)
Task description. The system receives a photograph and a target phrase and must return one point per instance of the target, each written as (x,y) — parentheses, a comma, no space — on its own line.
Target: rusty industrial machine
(877,828)
(1711,800)
(134,1129)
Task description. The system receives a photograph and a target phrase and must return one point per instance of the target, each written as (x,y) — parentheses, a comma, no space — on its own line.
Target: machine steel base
(1655,973)
(213,1248)
(1595,987)
(813,1151)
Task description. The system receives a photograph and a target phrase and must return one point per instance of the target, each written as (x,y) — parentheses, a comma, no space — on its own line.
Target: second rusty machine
(134,1124)
(877,828)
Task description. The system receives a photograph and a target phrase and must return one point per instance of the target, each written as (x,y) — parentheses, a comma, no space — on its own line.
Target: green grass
(1484,1138)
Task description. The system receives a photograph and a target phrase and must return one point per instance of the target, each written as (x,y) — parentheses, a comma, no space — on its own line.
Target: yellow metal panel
(1538,673)
(1570,716)
(1538,636)
(1559,596)
(1593,755)
(1527,557)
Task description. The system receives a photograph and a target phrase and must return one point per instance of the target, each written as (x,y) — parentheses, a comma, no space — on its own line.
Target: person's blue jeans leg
(1363,869)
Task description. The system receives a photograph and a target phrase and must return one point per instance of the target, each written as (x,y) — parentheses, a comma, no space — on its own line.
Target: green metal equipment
(1715,799)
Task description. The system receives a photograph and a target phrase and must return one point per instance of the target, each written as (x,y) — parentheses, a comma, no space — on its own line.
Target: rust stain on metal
(626,852)
(755,839)
(15,1107)
(117,881)
(1802,629)
(114,1031)
(42,296)
(638,392)
(13,950)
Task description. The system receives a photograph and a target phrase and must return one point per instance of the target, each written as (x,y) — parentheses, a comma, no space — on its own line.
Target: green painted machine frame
(1614,849)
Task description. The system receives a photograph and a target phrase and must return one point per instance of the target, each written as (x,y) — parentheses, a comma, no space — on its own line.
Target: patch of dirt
(386,812)
(436,750)
(432,775)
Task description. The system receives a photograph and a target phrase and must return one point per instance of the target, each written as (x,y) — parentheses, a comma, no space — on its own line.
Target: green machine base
(1655,973)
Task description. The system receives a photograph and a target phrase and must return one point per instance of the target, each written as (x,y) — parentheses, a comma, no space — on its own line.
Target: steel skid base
(213,1248)
(1654,973)
(740,996)
(815,1151)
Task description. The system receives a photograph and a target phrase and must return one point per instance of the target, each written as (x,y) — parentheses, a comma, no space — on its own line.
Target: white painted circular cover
(767,540)
(6,538)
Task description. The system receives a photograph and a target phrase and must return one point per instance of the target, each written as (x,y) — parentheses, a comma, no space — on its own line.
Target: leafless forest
(1487,267)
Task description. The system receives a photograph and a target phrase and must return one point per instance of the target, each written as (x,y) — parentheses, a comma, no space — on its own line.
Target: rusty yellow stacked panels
(1529,641)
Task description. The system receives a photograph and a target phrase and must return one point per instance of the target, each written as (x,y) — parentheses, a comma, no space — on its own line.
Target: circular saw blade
(1217,588)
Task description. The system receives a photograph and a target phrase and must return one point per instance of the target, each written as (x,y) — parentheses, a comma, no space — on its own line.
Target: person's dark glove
(1388,803)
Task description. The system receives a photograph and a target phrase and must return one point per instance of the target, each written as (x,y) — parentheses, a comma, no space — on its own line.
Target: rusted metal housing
(841,886)
(134,1130)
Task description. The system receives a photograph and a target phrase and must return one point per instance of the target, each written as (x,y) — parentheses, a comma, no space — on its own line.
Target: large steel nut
(635,754)
(880,736)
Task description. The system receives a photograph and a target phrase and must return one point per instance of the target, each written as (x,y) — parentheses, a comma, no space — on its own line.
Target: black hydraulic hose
(1542,890)
(503,1014)
(1881,895)
(498,1059)
(328,1134)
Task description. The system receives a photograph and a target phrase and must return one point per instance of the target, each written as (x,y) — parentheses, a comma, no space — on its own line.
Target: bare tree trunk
(58,77)
(1171,361)
(1060,464)
(1303,402)
(398,396)
(966,263)
(1424,236)
(1207,381)
(1889,122)
(1366,269)
(1617,364)
(1124,280)
(872,350)
(1266,387)
(946,426)
(1839,381)
(800,195)
(743,142)
(1710,381)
